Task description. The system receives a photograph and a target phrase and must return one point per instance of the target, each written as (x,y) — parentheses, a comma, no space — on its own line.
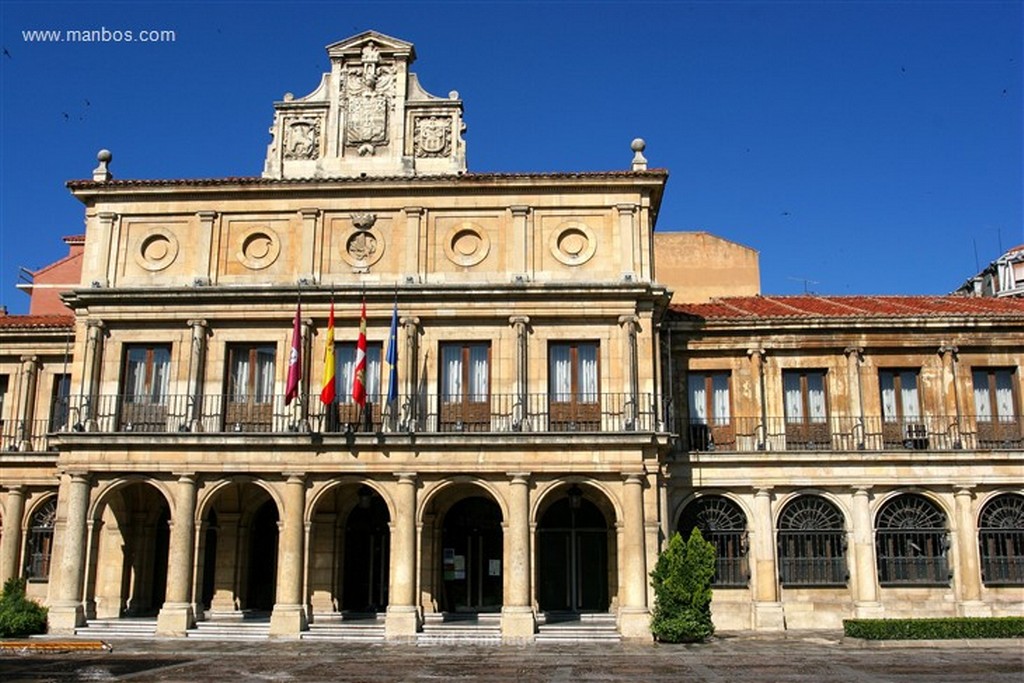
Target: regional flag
(294,360)
(391,356)
(359,376)
(327,392)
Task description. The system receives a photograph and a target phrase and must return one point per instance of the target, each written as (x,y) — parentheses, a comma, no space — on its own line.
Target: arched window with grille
(723,524)
(40,541)
(911,542)
(1001,541)
(812,543)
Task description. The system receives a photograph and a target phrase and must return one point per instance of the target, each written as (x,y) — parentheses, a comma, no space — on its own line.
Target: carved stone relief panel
(158,249)
(153,246)
(432,136)
(256,247)
(302,137)
(368,96)
(359,240)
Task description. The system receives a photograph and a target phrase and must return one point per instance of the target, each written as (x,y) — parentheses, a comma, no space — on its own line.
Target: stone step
(118,628)
(230,630)
(337,627)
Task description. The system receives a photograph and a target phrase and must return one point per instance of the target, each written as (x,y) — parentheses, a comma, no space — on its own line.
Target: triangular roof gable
(382,42)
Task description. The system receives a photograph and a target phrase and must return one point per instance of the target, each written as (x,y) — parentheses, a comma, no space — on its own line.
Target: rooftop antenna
(977,265)
(806,282)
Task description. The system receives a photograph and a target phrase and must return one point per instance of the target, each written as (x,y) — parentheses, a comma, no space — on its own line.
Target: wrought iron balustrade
(848,433)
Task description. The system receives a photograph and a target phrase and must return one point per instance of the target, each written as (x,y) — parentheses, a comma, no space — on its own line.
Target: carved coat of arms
(432,136)
(368,92)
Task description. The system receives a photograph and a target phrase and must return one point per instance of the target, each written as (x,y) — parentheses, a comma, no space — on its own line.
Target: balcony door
(349,413)
(806,406)
(995,408)
(465,387)
(573,387)
(250,391)
(710,411)
(146,380)
(901,409)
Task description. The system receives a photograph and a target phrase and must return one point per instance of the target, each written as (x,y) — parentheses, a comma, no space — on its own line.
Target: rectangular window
(465,386)
(901,410)
(250,387)
(710,408)
(145,383)
(349,413)
(573,386)
(995,408)
(806,408)
(59,407)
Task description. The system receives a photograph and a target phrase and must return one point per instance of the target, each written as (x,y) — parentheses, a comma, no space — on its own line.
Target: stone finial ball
(638,145)
(453,95)
(104,155)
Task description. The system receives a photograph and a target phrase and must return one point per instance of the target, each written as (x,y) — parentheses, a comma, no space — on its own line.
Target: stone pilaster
(768,613)
(967,571)
(205,250)
(634,618)
(402,620)
(854,361)
(27,404)
(176,615)
(630,324)
(517,620)
(949,355)
(519,246)
(757,360)
(289,615)
(519,411)
(196,366)
(91,375)
(10,541)
(409,369)
(415,257)
(307,256)
(66,610)
(628,239)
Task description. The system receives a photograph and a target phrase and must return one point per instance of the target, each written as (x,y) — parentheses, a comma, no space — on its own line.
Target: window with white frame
(805,396)
(900,401)
(345,371)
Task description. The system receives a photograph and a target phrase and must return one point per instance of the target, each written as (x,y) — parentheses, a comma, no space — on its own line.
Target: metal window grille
(912,543)
(812,543)
(1001,541)
(723,524)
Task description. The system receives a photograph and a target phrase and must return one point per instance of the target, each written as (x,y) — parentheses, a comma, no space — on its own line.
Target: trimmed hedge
(934,629)
(682,590)
(20,616)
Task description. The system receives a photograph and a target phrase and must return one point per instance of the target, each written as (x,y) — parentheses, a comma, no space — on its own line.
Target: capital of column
(30,362)
(198,324)
(519,210)
(519,320)
(634,478)
(757,354)
(862,489)
(94,326)
(206,215)
(630,321)
(413,210)
(626,209)
(966,490)
(15,489)
(411,321)
(949,349)
(293,478)
(186,477)
(519,478)
(309,212)
(406,478)
(107,217)
(763,491)
(854,352)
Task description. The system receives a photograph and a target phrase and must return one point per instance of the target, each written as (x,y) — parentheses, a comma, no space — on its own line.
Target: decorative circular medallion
(260,248)
(466,245)
(362,248)
(573,243)
(157,249)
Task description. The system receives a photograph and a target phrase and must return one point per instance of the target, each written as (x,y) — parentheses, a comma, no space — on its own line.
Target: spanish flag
(327,393)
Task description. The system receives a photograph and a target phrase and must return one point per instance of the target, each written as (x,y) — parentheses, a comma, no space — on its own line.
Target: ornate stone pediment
(369,116)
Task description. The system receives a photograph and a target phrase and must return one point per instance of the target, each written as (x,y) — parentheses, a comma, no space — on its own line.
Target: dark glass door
(471,557)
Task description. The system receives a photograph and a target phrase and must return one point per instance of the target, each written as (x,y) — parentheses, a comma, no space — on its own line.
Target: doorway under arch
(573,555)
(471,556)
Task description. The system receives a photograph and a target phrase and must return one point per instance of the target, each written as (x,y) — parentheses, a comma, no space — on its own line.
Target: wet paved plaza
(783,658)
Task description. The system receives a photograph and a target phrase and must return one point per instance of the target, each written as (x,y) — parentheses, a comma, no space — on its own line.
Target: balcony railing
(872,433)
(423,413)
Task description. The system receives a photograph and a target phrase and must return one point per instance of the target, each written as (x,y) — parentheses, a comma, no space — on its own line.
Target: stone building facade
(559,409)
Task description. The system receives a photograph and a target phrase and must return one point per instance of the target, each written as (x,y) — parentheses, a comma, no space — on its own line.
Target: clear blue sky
(861,147)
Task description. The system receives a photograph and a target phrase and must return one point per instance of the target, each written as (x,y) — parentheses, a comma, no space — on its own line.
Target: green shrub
(934,629)
(682,590)
(19,616)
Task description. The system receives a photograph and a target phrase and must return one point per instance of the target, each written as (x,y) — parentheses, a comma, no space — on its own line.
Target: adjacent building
(551,389)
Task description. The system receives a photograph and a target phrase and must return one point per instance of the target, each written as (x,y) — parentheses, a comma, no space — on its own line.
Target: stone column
(66,611)
(10,542)
(196,367)
(768,612)
(409,368)
(967,571)
(402,619)
(634,618)
(176,615)
(27,403)
(854,360)
(630,324)
(865,574)
(86,419)
(289,615)
(520,409)
(517,611)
